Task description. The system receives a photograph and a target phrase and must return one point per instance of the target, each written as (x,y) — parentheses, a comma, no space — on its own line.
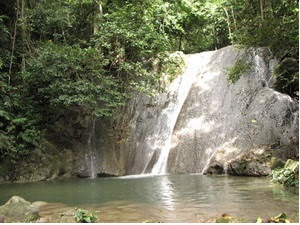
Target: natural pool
(167,198)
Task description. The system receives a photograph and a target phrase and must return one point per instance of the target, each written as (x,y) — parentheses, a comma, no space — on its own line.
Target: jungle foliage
(90,56)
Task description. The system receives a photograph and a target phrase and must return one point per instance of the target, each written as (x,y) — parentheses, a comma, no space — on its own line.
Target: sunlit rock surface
(218,121)
(18,209)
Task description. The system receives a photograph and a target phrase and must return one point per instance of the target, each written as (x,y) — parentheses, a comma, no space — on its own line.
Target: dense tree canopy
(89,56)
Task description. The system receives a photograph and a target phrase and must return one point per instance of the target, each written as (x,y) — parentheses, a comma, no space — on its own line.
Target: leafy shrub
(173,65)
(84,216)
(4,43)
(275,163)
(131,43)
(288,175)
(64,78)
(287,77)
(237,70)
(18,134)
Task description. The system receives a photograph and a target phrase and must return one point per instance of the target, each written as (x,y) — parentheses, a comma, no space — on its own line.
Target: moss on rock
(18,209)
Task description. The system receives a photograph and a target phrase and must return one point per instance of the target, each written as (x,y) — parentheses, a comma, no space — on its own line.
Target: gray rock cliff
(219,121)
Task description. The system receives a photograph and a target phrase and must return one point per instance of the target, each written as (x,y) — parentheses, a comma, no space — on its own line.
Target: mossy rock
(276,163)
(241,67)
(242,167)
(18,209)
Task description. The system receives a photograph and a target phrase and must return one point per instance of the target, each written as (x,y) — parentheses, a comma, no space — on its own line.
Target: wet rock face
(100,155)
(61,157)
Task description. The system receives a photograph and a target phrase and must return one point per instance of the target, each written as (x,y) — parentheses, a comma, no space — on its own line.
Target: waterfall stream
(178,91)
(90,156)
(200,124)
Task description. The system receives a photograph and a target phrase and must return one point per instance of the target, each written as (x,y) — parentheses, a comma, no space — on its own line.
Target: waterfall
(90,156)
(178,91)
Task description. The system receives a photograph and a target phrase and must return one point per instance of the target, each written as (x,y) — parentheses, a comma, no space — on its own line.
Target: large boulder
(248,168)
(18,209)
(258,162)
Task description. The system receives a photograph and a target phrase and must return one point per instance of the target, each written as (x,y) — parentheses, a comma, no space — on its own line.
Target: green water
(246,197)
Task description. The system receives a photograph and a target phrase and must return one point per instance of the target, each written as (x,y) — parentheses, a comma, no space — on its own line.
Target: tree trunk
(228,23)
(23,35)
(98,16)
(180,42)
(234,20)
(13,45)
(261,3)
(215,36)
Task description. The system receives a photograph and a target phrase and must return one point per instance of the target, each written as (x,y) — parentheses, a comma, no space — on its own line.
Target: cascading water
(199,124)
(179,90)
(90,156)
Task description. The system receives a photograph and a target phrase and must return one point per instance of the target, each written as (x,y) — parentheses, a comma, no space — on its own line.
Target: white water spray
(90,153)
(179,90)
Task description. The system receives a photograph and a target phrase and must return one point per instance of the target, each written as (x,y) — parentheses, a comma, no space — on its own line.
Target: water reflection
(283,193)
(166,191)
(173,197)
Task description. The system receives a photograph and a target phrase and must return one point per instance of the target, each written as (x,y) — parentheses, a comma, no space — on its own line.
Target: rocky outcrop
(220,121)
(245,168)
(18,209)
(60,156)
(213,126)
(100,155)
